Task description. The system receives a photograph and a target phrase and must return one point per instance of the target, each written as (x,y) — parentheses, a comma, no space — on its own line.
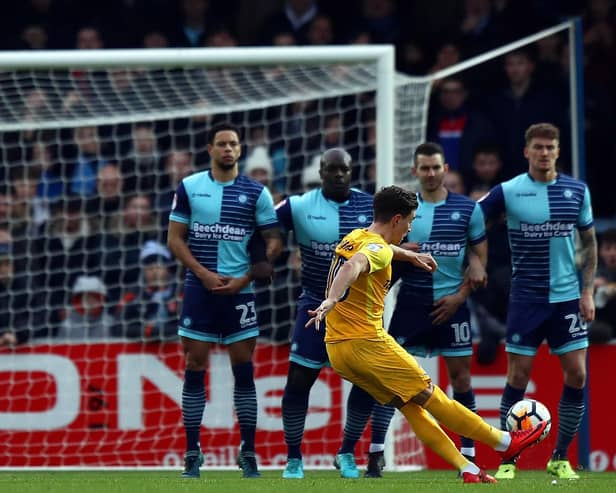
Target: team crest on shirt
(242,198)
(374,247)
(362,218)
(186,321)
(567,194)
(455,216)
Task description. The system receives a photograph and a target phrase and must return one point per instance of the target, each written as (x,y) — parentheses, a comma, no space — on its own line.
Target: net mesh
(91,160)
(53,99)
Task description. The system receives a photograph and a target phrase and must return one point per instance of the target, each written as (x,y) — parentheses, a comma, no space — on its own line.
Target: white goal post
(116,393)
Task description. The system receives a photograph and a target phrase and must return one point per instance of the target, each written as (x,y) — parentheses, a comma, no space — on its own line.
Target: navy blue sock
(570,413)
(467,399)
(381,417)
(300,380)
(294,410)
(245,402)
(359,408)
(510,396)
(193,404)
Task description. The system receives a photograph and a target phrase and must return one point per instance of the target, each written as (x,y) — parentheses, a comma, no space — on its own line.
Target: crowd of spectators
(81,207)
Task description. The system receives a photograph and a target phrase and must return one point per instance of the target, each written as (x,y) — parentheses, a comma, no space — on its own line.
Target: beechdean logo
(242,198)
(455,216)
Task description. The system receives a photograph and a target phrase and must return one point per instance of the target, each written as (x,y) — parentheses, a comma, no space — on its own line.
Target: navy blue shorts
(215,318)
(560,324)
(308,344)
(411,326)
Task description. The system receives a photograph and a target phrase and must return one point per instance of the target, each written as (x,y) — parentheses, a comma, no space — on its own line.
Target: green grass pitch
(271,482)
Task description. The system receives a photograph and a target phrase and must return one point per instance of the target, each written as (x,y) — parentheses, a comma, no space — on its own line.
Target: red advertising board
(601,364)
(118,404)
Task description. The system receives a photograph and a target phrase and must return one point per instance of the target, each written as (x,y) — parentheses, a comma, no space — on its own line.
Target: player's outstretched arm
(346,275)
(422,260)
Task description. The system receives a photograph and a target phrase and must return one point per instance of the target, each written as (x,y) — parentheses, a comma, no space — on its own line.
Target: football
(527,413)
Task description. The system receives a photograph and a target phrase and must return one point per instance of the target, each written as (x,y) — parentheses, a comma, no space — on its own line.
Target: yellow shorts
(382,368)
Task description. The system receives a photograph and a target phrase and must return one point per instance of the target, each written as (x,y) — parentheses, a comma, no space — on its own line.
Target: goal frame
(382,55)
(384,87)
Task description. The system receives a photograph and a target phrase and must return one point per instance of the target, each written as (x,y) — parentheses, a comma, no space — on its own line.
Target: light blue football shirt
(541,223)
(221,218)
(319,224)
(443,229)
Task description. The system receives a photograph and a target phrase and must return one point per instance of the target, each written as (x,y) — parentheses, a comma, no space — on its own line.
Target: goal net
(93,145)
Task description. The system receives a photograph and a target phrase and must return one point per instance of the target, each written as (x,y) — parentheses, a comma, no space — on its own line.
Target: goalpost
(115,402)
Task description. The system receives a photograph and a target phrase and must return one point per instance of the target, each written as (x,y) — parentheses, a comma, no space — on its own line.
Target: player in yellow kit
(362,352)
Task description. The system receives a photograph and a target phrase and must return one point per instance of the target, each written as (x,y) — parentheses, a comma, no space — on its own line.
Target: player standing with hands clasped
(543,209)
(362,352)
(213,217)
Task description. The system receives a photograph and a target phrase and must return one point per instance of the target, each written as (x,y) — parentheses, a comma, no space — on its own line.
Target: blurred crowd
(83,211)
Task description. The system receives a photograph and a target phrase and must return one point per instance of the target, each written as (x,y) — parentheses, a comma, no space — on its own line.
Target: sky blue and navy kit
(221,218)
(318,224)
(443,229)
(541,223)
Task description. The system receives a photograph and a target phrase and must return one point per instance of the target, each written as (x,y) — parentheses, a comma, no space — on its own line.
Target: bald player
(319,219)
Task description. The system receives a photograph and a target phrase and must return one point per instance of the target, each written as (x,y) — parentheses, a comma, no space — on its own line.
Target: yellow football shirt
(359,312)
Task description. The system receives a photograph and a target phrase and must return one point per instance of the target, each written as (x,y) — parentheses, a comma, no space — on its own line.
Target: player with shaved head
(319,219)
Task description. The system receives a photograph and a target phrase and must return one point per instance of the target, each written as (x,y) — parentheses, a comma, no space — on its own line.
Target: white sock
(376,447)
(470,467)
(468,451)
(504,443)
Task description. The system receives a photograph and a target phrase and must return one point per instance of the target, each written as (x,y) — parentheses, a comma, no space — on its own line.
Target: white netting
(119,95)
(91,159)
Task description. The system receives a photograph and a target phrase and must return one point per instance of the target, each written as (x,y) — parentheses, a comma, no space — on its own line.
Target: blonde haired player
(362,352)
